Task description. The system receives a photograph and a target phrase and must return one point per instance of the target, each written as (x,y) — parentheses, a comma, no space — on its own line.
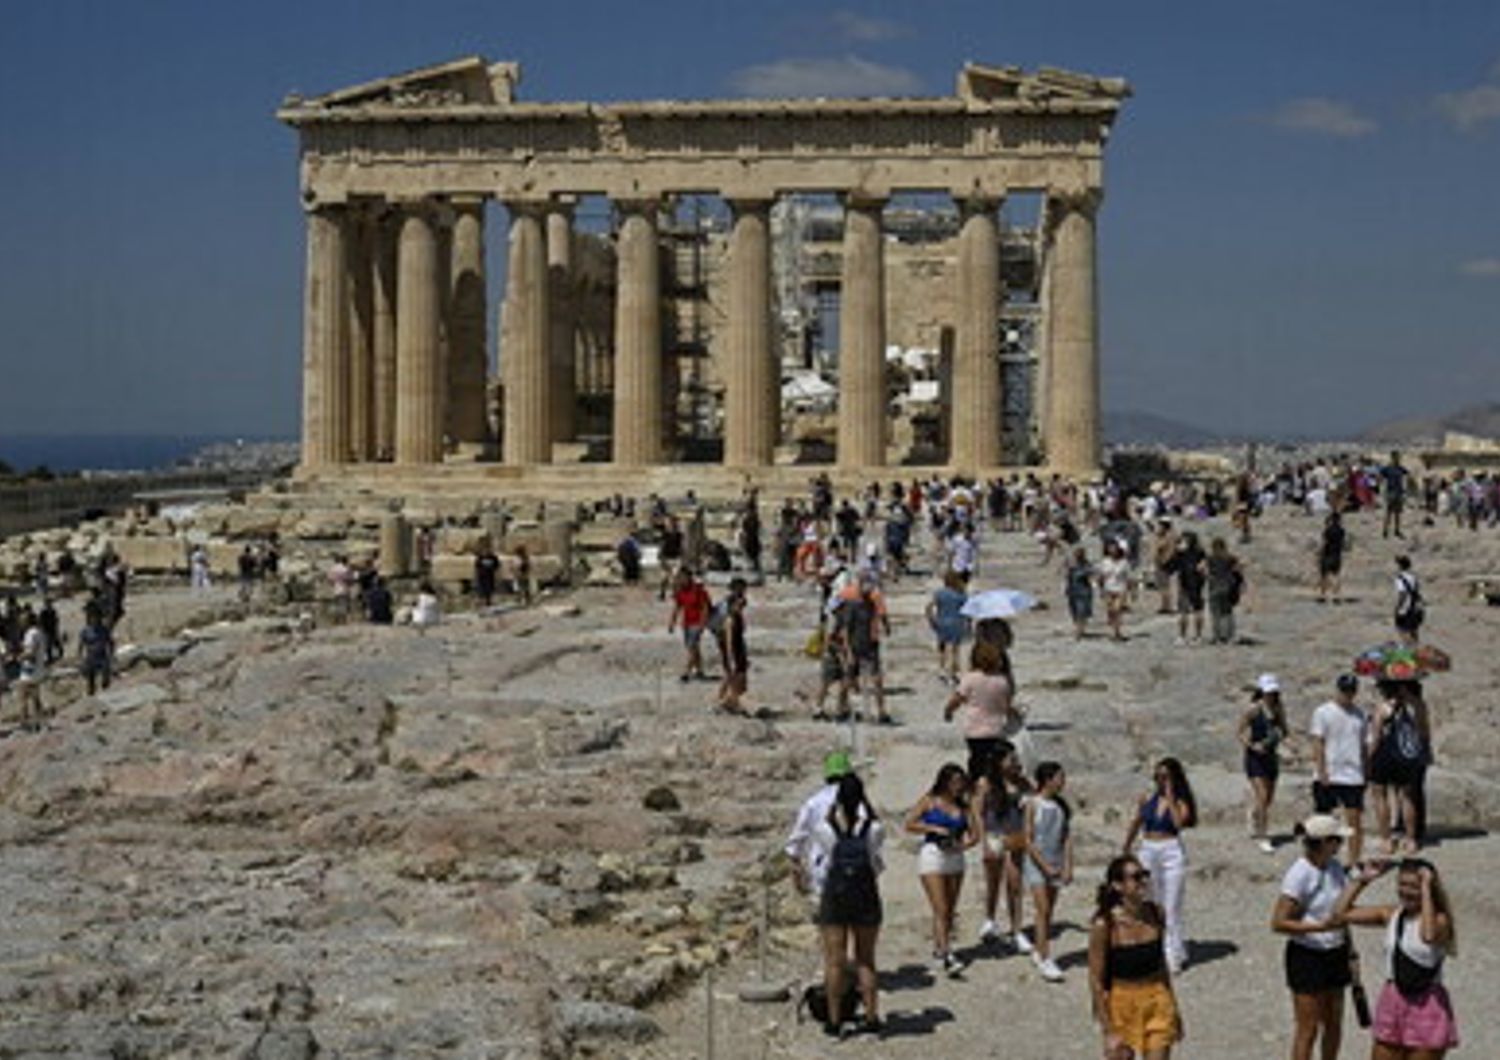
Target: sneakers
(1049,969)
(953,965)
(1022,943)
(989,933)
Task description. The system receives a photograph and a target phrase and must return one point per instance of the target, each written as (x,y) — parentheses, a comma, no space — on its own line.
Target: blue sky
(1301,231)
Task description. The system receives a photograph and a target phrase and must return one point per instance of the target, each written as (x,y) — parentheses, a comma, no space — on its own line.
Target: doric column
(750,419)
(562,328)
(359,243)
(383,233)
(325,341)
(528,432)
(467,359)
(976,363)
(862,396)
(1073,332)
(421,382)
(638,353)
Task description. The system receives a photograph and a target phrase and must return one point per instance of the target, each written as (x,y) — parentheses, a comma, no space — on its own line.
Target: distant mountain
(1483,420)
(1147,428)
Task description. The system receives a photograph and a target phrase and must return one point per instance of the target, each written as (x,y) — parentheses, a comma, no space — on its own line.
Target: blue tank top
(1156,817)
(954,824)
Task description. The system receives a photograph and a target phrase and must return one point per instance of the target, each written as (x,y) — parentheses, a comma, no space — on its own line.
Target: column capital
(1075,200)
(563,204)
(528,205)
(739,204)
(639,204)
(972,203)
(863,200)
(325,208)
(468,202)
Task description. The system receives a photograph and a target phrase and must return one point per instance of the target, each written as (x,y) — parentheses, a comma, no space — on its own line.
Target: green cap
(836,765)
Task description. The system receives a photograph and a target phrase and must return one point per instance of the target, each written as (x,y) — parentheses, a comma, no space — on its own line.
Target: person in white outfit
(809,859)
(198,568)
(1158,822)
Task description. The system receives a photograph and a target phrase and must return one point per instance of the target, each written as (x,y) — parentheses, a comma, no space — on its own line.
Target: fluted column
(1073,330)
(638,351)
(325,341)
(467,358)
(361,291)
(862,388)
(976,362)
(383,234)
(562,328)
(750,419)
(421,383)
(528,432)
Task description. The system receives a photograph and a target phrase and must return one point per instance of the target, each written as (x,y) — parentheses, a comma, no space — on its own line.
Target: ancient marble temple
(395,175)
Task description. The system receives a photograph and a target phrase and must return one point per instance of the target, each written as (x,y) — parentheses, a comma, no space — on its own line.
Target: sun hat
(836,764)
(1324,826)
(1265,684)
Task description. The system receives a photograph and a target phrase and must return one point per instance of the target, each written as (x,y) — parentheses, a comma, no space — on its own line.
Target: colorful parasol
(1394,661)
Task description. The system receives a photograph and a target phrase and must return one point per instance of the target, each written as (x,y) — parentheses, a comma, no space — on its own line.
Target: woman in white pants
(1158,822)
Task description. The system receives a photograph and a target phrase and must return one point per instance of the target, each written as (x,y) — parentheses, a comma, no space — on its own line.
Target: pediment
(467,81)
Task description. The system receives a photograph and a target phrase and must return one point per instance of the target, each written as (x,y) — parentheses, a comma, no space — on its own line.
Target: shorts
(1190,600)
(1409,622)
(1326,797)
(691,636)
(866,664)
(1330,563)
(833,667)
(1143,1013)
(936,860)
(981,751)
(1419,1021)
(998,844)
(1262,765)
(1313,971)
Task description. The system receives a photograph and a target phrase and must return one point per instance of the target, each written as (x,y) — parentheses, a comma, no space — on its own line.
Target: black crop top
(1140,960)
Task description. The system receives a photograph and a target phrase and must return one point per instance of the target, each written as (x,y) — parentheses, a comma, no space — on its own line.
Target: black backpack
(1404,739)
(849,871)
(815,1001)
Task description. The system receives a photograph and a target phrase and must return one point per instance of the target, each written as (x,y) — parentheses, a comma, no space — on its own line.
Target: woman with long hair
(1160,818)
(1129,979)
(849,909)
(1113,572)
(1261,729)
(1413,1015)
(1400,739)
(946,619)
(946,820)
(1317,956)
(985,703)
(1049,859)
(1000,790)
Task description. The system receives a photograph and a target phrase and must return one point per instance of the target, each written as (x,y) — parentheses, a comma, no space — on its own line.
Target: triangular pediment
(470,80)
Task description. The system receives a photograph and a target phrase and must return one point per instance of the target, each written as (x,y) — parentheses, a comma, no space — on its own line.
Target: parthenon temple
(671,333)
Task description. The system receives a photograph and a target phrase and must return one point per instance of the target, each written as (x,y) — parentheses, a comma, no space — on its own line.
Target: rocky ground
(518,835)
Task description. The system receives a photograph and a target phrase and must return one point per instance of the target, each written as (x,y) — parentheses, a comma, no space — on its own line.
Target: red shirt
(694,604)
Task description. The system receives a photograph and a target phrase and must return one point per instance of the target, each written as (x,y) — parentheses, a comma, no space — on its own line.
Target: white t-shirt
(1343,734)
(1115,574)
(1315,891)
(811,841)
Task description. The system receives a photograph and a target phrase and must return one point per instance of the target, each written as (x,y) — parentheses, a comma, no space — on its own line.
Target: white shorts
(933,860)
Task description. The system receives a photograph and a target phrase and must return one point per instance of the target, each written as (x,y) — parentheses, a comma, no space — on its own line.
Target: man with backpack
(1409,607)
(862,621)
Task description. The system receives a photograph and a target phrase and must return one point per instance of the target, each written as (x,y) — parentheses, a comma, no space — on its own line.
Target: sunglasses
(1139,876)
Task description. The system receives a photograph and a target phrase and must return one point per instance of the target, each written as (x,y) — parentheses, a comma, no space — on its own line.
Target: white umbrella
(998,603)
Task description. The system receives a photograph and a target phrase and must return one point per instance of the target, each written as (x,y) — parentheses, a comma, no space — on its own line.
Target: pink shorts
(1421,1022)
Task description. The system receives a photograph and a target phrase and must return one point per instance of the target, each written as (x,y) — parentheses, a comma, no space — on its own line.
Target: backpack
(1404,740)
(1413,597)
(856,622)
(815,1001)
(849,872)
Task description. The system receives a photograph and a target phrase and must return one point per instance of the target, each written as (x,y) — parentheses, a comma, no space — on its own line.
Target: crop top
(954,824)
(1139,960)
(1157,817)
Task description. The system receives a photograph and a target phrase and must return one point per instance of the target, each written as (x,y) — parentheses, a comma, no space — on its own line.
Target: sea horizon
(111,452)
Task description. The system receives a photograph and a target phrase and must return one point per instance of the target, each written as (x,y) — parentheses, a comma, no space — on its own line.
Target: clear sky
(1301,230)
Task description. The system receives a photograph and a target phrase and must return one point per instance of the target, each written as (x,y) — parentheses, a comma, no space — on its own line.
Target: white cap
(1324,826)
(1267,683)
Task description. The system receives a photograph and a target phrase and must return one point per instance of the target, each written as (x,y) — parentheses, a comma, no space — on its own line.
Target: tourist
(341,583)
(946,820)
(1413,1015)
(690,605)
(628,554)
(668,553)
(427,611)
(1225,582)
(1078,587)
(1400,743)
(1159,820)
(1001,791)
(850,839)
(521,576)
(1129,981)
(1340,756)
(1049,860)
(808,860)
(733,649)
(1190,567)
(1410,610)
(1393,477)
(378,603)
(50,625)
(1260,731)
(946,619)
(96,650)
(861,614)
(248,568)
(1317,957)
(32,671)
(963,553)
(198,574)
(486,573)
(1163,548)
(750,533)
(1114,581)
(1331,547)
(985,699)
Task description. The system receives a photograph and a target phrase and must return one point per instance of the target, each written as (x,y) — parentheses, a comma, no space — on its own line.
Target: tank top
(1155,817)
(1136,961)
(954,824)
